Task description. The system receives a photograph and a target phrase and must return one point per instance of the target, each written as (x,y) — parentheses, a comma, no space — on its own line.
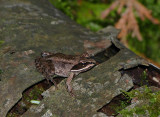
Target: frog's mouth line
(83,68)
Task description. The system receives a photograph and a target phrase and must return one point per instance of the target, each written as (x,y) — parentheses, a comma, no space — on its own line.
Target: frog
(63,65)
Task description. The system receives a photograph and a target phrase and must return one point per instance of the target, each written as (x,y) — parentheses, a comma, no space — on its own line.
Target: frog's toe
(71,93)
(54,82)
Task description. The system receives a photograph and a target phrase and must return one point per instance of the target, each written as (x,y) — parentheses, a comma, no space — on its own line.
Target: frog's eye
(83,64)
(44,54)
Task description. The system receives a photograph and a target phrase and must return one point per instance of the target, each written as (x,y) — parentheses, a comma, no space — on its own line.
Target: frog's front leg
(50,78)
(68,83)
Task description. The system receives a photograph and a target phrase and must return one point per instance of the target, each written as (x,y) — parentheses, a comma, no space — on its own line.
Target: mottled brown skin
(50,64)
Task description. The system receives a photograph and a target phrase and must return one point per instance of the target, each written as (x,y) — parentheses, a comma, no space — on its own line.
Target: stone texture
(29,27)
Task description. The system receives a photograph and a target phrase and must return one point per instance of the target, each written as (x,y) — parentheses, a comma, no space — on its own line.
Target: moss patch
(150,104)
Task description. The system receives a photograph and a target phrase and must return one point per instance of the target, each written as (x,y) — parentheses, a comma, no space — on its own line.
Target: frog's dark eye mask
(83,67)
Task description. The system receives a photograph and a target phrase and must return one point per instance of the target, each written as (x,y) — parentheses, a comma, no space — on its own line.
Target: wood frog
(50,64)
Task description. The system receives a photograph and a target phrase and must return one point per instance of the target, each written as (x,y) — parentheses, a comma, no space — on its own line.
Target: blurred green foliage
(87,13)
(150,46)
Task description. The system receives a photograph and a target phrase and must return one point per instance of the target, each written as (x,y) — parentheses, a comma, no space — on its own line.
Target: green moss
(118,108)
(144,78)
(12,115)
(126,113)
(1,71)
(121,104)
(152,105)
(33,93)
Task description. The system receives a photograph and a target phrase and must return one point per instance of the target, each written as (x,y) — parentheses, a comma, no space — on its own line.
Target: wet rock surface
(27,28)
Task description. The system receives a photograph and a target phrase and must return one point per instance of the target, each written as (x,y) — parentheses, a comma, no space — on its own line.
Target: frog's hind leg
(46,67)
(49,72)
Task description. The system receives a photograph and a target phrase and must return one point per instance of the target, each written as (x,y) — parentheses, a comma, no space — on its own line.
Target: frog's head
(84,65)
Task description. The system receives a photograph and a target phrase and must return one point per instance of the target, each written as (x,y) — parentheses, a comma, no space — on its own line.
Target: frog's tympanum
(50,64)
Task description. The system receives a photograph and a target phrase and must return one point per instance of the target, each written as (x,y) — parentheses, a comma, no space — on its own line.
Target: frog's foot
(71,93)
(68,83)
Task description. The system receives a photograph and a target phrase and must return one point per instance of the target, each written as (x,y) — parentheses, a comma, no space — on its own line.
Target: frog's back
(45,67)
(67,59)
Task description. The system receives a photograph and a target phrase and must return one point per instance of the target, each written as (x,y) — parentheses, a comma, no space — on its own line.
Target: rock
(27,28)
